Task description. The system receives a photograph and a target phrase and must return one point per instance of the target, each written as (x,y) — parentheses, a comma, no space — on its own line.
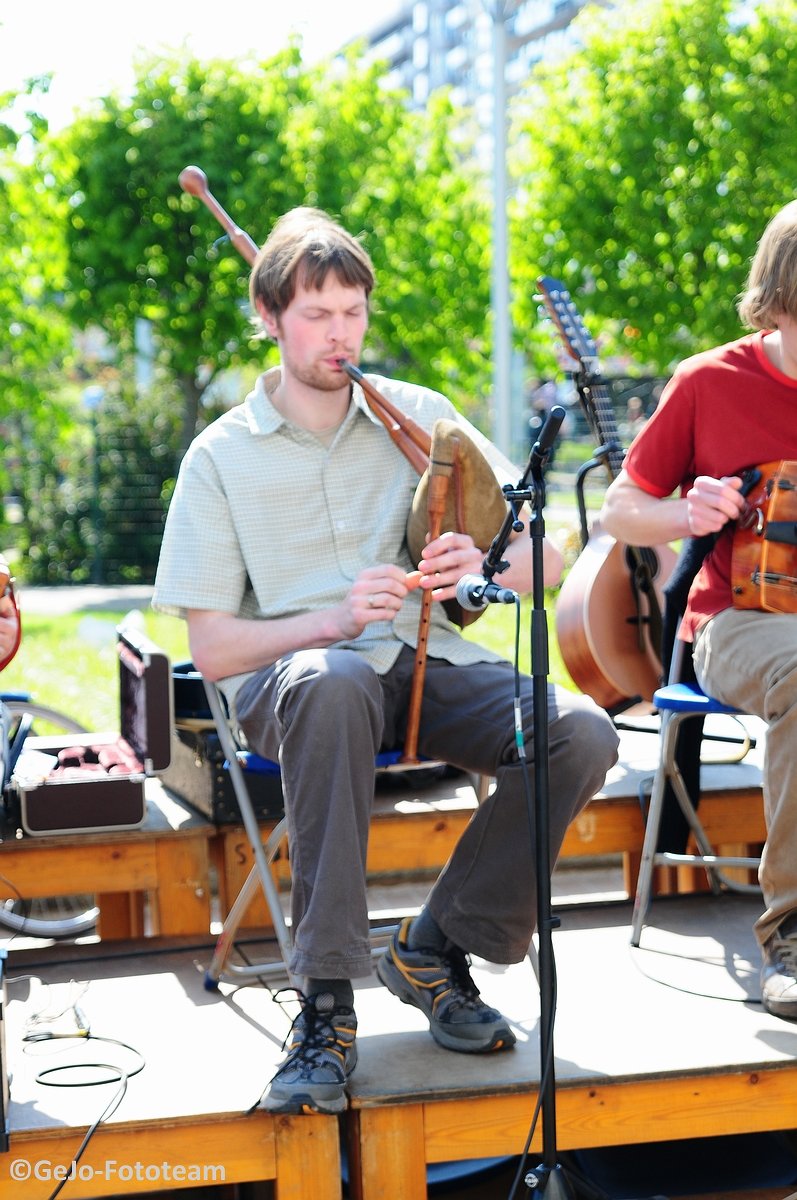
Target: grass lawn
(69,662)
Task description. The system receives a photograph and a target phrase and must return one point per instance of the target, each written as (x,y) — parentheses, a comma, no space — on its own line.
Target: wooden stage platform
(667,1041)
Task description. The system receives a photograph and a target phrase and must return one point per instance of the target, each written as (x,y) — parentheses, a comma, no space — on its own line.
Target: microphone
(474,593)
(542,447)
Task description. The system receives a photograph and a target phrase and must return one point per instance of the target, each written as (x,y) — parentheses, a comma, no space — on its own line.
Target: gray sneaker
(321,1056)
(441,987)
(779,972)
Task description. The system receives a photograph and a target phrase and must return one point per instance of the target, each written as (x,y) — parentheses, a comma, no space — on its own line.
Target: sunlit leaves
(270,136)
(649,163)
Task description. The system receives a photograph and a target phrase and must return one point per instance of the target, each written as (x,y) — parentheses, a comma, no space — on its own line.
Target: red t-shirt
(723,411)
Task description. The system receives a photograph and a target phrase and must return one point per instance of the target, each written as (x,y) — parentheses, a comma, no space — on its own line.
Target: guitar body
(607,627)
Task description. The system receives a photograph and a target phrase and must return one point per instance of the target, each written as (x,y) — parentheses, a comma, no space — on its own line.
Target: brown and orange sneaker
(439,984)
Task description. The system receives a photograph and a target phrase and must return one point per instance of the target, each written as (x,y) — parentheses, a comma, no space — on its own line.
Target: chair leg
(669,771)
(652,823)
(219,963)
(261,873)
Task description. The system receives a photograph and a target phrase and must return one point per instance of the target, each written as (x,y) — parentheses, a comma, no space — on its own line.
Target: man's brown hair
(302,248)
(772,282)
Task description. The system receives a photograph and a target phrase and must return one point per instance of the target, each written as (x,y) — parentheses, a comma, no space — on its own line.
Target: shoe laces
(459,987)
(312,1039)
(785,948)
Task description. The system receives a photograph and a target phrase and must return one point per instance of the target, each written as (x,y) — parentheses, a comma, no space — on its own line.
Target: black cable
(52,1076)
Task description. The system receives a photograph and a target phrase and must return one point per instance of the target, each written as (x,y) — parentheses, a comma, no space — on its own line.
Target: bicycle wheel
(56,916)
(46,720)
(39,918)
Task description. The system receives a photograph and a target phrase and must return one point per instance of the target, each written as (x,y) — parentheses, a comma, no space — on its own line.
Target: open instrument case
(94,782)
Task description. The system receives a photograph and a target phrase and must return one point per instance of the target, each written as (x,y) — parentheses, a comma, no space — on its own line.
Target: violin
(764,553)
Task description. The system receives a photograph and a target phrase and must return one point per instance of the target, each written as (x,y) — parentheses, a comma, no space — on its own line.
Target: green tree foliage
(650,161)
(35,347)
(270,136)
(94,510)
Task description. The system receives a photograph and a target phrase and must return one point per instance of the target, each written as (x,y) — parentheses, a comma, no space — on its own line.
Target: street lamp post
(499,10)
(93,396)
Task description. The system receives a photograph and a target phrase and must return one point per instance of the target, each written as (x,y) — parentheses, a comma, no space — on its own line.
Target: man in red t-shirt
(723,411)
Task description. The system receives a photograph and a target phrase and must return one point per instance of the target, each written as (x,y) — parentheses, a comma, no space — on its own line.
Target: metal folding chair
(677,701)
(238,763)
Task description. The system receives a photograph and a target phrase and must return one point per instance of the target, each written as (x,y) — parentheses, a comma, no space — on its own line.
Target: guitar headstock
(574,334)
(592,389)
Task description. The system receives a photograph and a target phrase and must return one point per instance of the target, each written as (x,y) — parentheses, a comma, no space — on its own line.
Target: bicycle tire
(59,721)
(82,921)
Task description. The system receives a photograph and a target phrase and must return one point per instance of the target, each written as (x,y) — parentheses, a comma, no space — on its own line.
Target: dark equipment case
(103,802)
(198,773)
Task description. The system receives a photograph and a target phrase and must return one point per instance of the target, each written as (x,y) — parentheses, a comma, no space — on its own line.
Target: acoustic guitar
(609,608)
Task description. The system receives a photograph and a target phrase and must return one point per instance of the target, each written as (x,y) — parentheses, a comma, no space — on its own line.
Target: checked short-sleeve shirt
(267,521)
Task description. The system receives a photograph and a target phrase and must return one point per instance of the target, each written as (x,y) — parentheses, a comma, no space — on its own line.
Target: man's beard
(315,375)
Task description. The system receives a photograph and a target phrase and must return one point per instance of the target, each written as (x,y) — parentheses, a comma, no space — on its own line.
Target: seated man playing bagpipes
(725,436)
(286,549)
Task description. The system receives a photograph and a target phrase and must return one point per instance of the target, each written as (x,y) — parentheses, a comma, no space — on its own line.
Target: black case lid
(145,698)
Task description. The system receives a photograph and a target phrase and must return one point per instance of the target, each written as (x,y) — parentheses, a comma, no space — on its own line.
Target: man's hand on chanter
(377,594)
(446,560)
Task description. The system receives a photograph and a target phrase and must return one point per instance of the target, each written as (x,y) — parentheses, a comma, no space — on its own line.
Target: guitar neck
(596,400)
(595,397)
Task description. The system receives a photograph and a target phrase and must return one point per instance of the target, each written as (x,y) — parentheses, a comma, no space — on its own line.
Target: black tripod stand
(549,1177)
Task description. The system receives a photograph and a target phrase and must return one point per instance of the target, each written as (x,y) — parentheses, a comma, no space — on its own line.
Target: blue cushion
(689,698)
(266,766)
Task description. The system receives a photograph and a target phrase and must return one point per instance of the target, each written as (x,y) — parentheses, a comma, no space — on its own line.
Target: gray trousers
(749,659)
(325,714)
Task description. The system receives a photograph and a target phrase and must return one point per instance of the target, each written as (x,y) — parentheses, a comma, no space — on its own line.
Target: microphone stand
(548,1177)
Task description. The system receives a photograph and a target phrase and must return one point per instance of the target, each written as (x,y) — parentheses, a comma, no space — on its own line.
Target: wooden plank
(389,1161)
(121,915)
(66,869)
(420,841)
(618,1113)
(234,857)
(124,1160)
(587,1116)
(174,869)
(301,1154)
(182,897)
(308,1158)
(614,825)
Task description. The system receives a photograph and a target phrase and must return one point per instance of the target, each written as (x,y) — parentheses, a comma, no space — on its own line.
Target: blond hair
(772,283)
(302,248)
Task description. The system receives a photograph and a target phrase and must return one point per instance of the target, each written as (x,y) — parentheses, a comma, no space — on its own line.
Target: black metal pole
(548,1177)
